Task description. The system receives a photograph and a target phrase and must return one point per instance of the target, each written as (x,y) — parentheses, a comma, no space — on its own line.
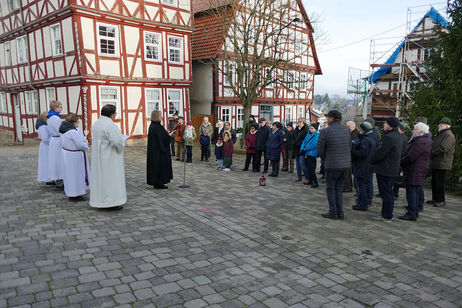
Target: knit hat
(335,114)
(445,120)
(315,125)
(262,120)
(392,121)
(370,120)
(291,124)
(278,125)
(366,126)
(251,117)
(189,123)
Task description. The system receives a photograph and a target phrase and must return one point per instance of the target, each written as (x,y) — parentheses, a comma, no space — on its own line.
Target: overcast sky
(347,21)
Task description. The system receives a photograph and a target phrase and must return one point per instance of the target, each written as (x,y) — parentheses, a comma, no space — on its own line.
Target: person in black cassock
(159,162)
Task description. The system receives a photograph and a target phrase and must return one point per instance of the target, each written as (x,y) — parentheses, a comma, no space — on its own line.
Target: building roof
(207,34)
(437,19)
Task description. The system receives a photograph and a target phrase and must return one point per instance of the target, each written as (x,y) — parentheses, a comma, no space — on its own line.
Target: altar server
(107,184)
(55,155)
(76,168)
(44,135)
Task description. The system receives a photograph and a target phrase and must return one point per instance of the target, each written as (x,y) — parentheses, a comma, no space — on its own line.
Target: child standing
(189,136)
(228,147)
(44,135)
(251,152)
(219,153)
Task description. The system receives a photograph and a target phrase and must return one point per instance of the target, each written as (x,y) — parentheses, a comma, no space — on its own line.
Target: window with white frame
(300,113)
(22,49)
(3,107)
(7,53)
(226,114)
(51,95)
(298,48)
(13,4)
(229,72)
(56,42)
(108,40)
(303,81)
(290,80)
(152,46)
(288,115)
(153,101)
(175,49)
(174,101)
(110,95)
(240,117)
(170,2)
(31,102)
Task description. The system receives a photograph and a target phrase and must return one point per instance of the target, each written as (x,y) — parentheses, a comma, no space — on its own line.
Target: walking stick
(184,171)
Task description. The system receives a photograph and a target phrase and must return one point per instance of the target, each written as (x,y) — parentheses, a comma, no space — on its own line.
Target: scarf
(219,145)
(52,113)
(416,135)
(65,127)
(253,132)
(40,123)
(188,132)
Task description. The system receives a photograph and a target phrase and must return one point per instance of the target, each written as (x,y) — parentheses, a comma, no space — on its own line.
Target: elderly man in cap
(387,165)
(334,146)
(441,158)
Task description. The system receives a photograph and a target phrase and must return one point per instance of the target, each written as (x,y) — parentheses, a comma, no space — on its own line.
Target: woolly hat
(366,126)
(370,120)
(335,114)
(189,123)
(291,124)
(252,117)
(392,121)
(262,120)
(445,120)
(315,125)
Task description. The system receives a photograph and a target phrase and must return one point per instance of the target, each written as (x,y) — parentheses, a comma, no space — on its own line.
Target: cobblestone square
(224,242)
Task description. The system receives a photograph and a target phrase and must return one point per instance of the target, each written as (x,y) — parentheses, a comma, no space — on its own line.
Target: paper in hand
(125,137)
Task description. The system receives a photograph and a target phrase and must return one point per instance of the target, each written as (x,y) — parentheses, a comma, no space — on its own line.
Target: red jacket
(228,147)
(250,143)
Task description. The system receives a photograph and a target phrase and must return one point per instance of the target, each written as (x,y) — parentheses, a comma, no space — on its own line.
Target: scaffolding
(397,63)
(357,90)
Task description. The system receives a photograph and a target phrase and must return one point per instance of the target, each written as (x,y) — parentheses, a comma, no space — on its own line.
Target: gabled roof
(207,34)
(437,19)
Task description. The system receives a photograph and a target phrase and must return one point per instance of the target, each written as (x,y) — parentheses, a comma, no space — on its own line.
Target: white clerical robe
(42,170)
(107,184)
(55,155)
(76,168)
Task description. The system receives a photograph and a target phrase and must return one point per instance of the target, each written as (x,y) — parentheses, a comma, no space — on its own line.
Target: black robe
(159,162)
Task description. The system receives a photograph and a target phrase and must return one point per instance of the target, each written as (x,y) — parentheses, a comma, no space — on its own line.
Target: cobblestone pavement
(224,242)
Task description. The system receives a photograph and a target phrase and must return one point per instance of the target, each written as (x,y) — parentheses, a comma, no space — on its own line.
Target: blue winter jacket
(362,151)
(273,145)
(310,144)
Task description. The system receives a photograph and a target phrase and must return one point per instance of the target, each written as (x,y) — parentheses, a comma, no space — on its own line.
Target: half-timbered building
(211,91)
(87,53)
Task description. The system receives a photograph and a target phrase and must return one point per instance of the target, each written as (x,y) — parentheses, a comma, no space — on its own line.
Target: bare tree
(260,46)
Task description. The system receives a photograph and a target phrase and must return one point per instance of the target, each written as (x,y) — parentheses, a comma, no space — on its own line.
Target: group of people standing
(63,160)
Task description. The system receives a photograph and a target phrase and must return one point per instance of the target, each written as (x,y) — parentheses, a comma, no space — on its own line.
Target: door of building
(17,117)
(266,111)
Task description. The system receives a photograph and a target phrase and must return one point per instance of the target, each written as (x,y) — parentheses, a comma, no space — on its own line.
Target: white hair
(206,118)
(422,128)
(351,123)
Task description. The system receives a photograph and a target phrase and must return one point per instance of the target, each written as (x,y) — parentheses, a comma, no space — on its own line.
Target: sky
(348,21)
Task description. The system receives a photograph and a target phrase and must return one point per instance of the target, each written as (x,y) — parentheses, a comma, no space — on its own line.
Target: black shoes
(160,187)
(50,183)
(439,204)
(255,170)
(245,169)
(407,217)
(330,216)
(77,199)
(314,185)
(430,202)
(112,208)
(341,217)
(357,208)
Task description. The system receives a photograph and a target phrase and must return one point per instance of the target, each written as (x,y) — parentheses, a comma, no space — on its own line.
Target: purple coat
(415,160)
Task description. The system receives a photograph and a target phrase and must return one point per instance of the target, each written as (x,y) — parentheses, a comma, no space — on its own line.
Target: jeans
(258,161)
(311,166)
(361,185)
(301,166)
(420,197)
(335,181)
(385,184)
(412,196)
(219,163)
(438,194)
(189,149)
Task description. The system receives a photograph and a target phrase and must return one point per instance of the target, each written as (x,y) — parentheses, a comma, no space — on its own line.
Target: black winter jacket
(290,140)
(263,133)
(299,136)
(388,154)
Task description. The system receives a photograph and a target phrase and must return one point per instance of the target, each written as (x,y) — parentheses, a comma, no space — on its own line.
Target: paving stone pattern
(224,242)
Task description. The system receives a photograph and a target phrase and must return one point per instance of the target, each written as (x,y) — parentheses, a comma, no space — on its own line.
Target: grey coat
(442,153)
(334,146)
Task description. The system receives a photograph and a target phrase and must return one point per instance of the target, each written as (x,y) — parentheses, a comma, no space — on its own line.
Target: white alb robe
(76,168)
(42,170)
(107,184)
(55,155)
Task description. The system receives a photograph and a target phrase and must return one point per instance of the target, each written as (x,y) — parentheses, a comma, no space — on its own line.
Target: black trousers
(248,158)
(275,167)
(311,164)
(438,194)
(258,161)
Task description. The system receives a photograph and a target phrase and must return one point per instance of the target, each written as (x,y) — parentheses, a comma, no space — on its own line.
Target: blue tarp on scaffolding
(437,19)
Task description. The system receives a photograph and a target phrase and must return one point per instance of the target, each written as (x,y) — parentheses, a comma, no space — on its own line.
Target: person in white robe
(44,136)
(107,184)
(55,155)
(76,169)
